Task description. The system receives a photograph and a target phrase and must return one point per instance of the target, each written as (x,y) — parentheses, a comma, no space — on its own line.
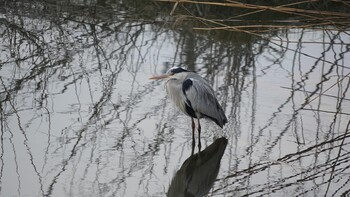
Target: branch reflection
(79,117)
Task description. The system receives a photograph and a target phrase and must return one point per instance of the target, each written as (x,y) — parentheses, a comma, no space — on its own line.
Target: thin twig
(326,111)
(332,96)
(173,10)
(262,7)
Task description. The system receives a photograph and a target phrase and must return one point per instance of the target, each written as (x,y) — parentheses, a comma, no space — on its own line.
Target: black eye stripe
(177,70)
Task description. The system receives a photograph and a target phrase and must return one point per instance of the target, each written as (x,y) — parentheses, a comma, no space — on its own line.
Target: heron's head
(173,73)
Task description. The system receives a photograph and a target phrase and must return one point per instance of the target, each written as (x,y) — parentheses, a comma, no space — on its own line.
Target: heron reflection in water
(197,174)
(194,96)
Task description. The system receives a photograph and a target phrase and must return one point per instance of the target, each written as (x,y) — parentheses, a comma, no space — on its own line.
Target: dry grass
(312,19)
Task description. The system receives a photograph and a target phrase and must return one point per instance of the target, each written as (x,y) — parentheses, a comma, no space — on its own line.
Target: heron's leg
(199,136)
(193,140)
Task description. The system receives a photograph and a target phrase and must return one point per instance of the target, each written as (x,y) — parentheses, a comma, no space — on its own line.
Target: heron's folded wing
(202,99)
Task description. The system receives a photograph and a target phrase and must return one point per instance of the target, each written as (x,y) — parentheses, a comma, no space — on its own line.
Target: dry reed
(313,19)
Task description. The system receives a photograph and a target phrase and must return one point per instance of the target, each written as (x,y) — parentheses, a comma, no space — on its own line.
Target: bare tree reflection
(78,116)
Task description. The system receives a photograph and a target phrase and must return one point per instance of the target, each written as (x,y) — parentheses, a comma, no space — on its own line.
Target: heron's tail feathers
(221,120)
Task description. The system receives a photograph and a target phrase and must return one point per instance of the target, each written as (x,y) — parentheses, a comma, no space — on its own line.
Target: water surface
(80,117)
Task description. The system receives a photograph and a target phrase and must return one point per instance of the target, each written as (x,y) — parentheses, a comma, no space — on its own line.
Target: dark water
(79,116)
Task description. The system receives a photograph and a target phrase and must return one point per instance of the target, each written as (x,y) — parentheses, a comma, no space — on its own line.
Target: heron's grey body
(194,96)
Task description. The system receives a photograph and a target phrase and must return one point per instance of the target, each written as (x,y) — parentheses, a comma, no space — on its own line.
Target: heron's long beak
(160,77)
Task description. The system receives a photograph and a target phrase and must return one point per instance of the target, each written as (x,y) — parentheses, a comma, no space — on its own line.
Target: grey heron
(194,96)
